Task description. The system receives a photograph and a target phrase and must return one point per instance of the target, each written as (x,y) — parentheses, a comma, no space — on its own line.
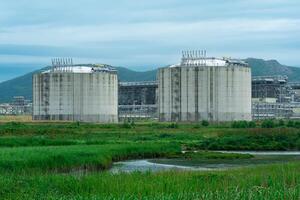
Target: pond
(162,164)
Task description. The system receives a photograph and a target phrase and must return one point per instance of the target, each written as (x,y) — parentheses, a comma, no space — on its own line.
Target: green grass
(37,161)
(214,137)
(267,182)
(66,158)
(254,139)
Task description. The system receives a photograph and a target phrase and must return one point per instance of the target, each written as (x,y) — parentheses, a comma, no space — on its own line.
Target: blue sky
(143,34)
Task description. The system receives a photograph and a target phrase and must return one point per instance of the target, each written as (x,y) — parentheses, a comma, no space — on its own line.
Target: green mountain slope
(262,67)
(130,75)
(22,86)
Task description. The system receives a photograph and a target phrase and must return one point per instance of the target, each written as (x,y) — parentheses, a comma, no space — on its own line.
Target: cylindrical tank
(201,88)
(76,93)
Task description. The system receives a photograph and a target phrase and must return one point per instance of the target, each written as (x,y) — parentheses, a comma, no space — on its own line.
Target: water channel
(260,158)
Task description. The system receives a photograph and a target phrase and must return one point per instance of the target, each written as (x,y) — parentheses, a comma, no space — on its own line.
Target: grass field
(190,136)
(267,182)
(37,161)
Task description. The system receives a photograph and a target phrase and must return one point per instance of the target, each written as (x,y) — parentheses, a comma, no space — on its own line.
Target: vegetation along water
(41,160)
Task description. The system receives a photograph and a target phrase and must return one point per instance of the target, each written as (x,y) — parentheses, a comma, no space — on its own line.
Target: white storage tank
(68,92)
(203,88)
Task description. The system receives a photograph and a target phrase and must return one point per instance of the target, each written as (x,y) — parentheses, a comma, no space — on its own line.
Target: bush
(243,124)
(268,124)
(251,124)
(205,123)
(15,124)
(281,123)
(173,125)
(197,126)
(257,139)
(290,123)
(297,124)
(126,125)
(132,123)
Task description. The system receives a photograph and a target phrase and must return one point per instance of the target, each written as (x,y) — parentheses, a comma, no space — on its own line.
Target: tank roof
(212,61)
(198,58)
(82,68)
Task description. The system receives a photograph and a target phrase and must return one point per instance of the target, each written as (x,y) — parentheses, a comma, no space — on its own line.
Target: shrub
(132,123)
(290,123)
(239,124)
(251,124)
(197,126)
(15,124)
(281,123)
(297,124)
(126,125)
(173,125)
(268,124)
(155,125)
(205,123)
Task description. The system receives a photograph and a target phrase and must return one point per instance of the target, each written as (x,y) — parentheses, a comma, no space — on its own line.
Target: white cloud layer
(148,33)
(162,31)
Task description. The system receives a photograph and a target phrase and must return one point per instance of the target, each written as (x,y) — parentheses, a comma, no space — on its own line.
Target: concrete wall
(88,97)
(216,93)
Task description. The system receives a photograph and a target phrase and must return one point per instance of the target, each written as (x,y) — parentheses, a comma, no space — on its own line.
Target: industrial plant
(71,92)
(18,106)
(198,88)
(274,97)
(204,88)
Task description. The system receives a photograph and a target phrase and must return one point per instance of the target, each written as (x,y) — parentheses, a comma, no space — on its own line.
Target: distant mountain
(130,75)
(22,86)
(262,67)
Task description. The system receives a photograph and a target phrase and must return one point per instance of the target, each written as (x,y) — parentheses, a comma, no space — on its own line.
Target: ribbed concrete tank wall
(195,93)
(76,96)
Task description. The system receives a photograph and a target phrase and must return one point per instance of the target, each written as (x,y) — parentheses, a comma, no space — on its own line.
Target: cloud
(147,33)
(163,31)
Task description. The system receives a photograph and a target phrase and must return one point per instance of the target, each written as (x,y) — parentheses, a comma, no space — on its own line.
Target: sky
(144,34)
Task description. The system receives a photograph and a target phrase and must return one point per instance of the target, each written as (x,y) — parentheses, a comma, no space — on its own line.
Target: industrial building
(204,88)
(272,97)
(70,92)
(6,109)
(295,86)
(272,87)
(138,99)
(21,106)
(270,109)
(18,106)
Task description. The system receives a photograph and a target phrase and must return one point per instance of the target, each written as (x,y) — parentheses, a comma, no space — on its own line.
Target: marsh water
(260,158)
